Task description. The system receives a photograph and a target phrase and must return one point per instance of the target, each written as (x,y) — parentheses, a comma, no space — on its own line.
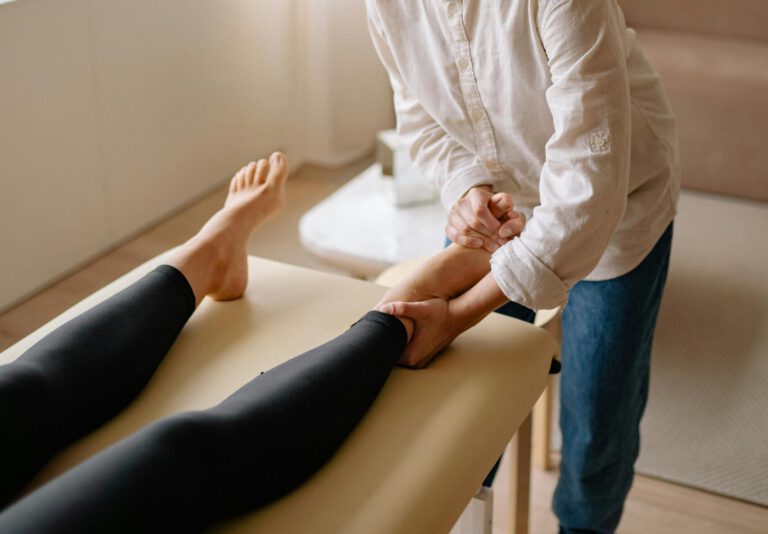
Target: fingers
(413,359)
(422,348)
(430,333)
(474,209)
(469,220)
(471,239)
(415,355)
(500,204)
(460,232)
(514,226)
(484,220)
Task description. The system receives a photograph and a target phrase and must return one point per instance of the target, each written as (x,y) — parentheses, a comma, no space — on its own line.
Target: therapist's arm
(583,184)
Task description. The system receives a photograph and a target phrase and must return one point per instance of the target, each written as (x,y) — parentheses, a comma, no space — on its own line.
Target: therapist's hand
(434,329)
(482,219)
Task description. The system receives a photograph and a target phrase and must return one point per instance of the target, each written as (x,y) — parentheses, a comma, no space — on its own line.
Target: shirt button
(453,8)
(463,63)
(477,114)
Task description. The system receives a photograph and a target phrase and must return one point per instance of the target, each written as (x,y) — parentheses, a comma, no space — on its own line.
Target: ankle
(202,264)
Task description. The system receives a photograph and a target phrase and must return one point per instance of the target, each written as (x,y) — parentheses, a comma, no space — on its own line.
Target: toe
(239,179)
(261,171)
(250,173)
(278,170)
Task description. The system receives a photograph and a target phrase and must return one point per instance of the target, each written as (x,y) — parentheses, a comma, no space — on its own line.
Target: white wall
(115,113)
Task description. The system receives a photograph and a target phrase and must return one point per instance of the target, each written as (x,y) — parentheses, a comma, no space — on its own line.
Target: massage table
(418,456)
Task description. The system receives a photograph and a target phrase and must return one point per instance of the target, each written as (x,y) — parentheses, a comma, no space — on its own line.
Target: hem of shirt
(613,266)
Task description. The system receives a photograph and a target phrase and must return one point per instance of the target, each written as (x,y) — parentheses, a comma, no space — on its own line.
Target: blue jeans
(607,335)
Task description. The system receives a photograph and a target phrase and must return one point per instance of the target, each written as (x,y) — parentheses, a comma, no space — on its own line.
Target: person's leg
(191,470)
(607,335)
(195,468)
(90,368)
(81,374)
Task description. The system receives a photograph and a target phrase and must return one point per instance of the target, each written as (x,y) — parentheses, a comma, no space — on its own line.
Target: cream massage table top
(419,454)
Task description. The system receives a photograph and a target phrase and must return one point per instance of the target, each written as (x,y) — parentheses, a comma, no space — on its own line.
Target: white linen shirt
(551,101)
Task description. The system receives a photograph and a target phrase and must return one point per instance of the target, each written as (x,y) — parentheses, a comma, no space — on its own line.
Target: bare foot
(215,260)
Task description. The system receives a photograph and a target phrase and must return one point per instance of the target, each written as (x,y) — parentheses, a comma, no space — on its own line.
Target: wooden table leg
(542,418)
(542,425)
(519,454)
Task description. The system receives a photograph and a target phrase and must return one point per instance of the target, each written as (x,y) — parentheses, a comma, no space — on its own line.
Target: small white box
(410,186)
(387,143)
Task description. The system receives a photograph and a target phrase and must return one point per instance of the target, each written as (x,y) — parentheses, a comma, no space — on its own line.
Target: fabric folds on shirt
(551,101)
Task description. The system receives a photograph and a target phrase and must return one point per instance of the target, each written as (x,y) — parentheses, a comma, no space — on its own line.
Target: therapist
(553,103)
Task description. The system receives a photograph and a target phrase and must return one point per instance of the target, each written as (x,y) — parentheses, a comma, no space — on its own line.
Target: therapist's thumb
(403,309)
(514,226)
(500,204)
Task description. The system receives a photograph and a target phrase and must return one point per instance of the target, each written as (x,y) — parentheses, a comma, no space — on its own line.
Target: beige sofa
(713,58)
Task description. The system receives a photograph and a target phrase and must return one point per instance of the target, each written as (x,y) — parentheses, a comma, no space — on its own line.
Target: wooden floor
(653,506)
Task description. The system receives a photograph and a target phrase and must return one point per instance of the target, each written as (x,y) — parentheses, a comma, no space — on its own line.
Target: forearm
(584,180)
(471,307)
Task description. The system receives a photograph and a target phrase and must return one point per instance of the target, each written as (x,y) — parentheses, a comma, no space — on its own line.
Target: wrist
(482,187)
(472,306)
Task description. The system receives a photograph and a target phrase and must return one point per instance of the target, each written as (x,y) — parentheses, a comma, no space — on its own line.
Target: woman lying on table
(193,469)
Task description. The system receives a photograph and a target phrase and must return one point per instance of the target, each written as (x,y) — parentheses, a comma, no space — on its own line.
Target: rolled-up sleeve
(447,164)
(583,183)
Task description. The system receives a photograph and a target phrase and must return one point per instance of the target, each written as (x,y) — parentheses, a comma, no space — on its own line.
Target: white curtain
(347,97)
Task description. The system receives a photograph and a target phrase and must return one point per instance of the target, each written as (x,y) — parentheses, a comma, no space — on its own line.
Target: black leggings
(191,470)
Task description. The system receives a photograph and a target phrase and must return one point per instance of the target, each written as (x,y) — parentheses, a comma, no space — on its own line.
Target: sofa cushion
(736,18)
(719,91)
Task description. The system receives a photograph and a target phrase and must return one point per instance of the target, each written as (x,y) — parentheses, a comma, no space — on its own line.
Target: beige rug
(706,424)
